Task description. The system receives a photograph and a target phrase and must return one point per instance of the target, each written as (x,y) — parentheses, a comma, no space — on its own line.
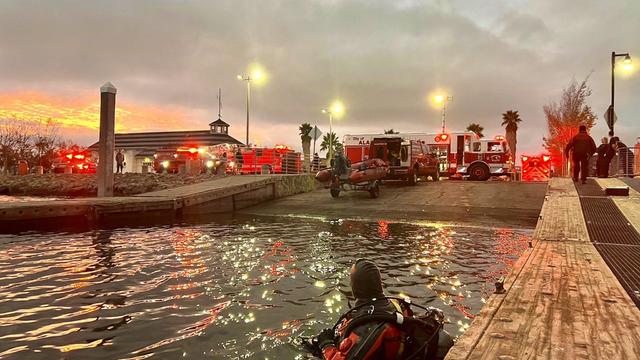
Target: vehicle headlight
(165,163)
(210,164)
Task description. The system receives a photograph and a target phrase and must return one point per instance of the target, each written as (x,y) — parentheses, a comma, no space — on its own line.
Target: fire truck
(79,161)
(408,160)
(280,159)
(536,168)
(459,154)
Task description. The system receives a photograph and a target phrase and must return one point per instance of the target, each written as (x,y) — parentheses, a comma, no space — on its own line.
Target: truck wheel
(435,176)
(412,178)
(374,191)
(479,172)
(335,192)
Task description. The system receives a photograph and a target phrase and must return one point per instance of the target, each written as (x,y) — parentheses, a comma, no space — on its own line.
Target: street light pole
(330,135)
(444,109)
(248,79)
(627,60)
(248,105)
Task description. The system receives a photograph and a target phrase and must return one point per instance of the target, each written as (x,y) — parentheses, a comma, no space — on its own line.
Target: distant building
(139,148)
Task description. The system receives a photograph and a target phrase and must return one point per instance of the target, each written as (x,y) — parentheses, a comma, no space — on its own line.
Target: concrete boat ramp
(217,196)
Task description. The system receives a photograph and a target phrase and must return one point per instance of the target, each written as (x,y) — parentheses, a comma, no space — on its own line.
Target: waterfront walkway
(562,300)
(215,196)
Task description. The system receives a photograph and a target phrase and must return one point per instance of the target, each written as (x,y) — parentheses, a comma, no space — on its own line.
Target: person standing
(605,154)
(119,162)
(625,155)
(583,147)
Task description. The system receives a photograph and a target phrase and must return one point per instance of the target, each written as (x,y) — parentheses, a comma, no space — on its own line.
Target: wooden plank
(565,304)
(561,215)
(562,300)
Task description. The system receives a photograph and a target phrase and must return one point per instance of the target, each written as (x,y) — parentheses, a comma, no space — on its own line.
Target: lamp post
(248,79)
(442,99)
(254,75)
(330,152)
(336,109)
(627,66)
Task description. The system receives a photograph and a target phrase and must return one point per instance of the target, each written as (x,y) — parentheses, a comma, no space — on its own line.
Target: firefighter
(378,327)
(625,156)
(605,154)
(583,147)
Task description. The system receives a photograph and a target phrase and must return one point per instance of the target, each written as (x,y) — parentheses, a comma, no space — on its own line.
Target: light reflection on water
(240,288)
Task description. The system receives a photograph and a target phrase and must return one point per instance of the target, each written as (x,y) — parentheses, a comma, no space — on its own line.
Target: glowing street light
(440,99)
(336,109)
(627,66)
(257,75)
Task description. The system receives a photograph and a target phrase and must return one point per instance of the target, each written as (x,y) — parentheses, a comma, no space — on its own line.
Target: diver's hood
(366,283)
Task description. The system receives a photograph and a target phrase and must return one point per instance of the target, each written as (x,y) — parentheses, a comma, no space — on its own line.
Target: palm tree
(476,128)
(305,129)
(335,144)
(510,121)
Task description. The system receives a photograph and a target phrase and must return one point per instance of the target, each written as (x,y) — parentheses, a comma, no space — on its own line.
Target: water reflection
(240,288)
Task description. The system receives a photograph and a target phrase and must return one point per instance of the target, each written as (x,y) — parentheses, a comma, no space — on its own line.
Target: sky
(382,59)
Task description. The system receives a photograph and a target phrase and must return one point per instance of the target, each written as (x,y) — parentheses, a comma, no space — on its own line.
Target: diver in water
(380,327)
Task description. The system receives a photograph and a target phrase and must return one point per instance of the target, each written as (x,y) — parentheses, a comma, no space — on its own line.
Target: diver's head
(366,282)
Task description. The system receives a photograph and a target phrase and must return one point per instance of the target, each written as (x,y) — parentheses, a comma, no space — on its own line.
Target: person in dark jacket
(605,154)
(583,147)
(625,156)
(362,335)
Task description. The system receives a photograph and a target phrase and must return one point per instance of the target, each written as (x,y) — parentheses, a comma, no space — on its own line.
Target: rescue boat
(368,170)
(363,171)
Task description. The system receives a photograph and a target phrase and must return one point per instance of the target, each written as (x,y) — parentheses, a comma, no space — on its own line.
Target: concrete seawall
(216,196)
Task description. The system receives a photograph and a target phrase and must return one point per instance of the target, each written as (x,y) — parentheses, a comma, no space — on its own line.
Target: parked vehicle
(79,162)
(280,159)
(408,160)
(458,153)
(487,158)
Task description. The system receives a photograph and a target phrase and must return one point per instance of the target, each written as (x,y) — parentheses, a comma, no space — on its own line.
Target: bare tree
(44,142)
(564,118)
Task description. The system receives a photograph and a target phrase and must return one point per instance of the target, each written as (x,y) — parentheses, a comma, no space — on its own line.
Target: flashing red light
(193,150)
(69,156)
(441,137)
(546,158)
(499,137)
(78,156)
(525,158)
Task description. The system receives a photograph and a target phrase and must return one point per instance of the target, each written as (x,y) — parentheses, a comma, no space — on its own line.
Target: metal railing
(626,162)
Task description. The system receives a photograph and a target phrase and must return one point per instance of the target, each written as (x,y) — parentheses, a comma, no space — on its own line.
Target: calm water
(238,288)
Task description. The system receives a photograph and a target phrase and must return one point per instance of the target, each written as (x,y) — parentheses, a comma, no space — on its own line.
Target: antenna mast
(219,102)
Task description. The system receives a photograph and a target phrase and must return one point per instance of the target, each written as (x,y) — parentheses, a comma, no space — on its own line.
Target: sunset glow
(84,112)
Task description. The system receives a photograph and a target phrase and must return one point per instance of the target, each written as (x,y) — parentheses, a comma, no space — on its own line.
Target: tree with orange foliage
(564,118)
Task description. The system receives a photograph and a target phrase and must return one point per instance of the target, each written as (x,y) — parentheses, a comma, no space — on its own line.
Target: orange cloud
(83,112)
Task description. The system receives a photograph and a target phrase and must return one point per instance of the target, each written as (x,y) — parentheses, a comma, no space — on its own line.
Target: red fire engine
(78,161)
(278,160)
(460,153)
(536,168)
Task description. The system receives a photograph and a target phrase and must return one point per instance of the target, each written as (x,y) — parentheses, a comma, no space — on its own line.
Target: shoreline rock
(84,185)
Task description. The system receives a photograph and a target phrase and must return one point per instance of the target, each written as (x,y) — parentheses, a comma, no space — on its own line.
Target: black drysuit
(583,147)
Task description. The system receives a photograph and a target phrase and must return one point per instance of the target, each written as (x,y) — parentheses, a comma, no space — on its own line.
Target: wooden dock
(562,301)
